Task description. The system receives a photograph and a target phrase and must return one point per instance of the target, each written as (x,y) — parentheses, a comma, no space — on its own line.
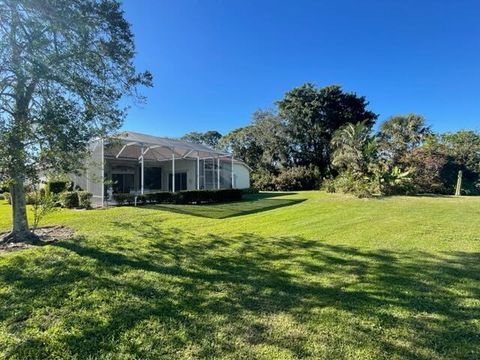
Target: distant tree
(464,148)
(262,144)
(209,138)
(64,66)
(399,136)
(353,148)
(243,145)
(462,151)
(311,117)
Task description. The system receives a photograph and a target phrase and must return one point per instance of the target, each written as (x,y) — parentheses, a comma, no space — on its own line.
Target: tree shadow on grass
(178,295)
(251,204)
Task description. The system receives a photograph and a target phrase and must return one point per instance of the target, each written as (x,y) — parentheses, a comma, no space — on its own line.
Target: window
(122,183)
(180,182)
(153,178)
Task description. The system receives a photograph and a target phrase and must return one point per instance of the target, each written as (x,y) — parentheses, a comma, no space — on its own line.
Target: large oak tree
(64,67)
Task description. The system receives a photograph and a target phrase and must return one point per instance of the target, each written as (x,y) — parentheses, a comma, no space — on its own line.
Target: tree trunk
(20,230)
(19,209)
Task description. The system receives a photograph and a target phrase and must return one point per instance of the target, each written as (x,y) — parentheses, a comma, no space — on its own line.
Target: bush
(249,191)
(57,187)
(298,178)
(263,181)
(6,196)
(160,197)
(84,199)
(69,199)
(30,198)
(362,187)
(182,197)
(328,185)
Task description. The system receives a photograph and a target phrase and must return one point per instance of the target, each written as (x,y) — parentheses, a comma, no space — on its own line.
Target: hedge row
(182,197)
(76,199)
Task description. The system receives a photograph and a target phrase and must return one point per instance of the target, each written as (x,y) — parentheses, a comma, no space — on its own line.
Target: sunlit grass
(306,275)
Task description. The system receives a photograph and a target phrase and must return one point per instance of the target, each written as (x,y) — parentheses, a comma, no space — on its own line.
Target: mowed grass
(306,275)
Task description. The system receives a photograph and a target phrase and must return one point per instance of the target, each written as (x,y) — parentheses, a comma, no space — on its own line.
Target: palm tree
(354,148)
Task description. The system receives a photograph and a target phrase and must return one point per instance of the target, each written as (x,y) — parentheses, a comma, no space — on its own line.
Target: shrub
(160,197)
(57,187)
(129,199)
(328,185)
(207,196)
(7,197)
(182,197)
(84,199)
(361,187)
(249,191)
(122,199)
(69,199)
(298,178)
(30,198)
(263,181)
(44,204)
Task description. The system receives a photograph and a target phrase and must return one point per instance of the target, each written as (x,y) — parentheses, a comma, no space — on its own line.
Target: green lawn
(306,275)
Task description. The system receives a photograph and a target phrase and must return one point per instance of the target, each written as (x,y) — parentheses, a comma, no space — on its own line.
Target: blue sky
(217,61)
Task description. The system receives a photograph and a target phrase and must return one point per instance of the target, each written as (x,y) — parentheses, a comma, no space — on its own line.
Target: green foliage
(84,199)
(349,183)
(69,199)
(463,147)
(397,182)
(262,145)
(209,138)
(66,65)
(6,196)
(298,178)
(313,114)
(44,203)
(263,180)
(181,197)
(250,191)
(399,136)
(328,185)
(353,149)
(57,186)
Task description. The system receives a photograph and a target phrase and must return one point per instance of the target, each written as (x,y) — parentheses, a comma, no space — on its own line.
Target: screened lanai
(138,163)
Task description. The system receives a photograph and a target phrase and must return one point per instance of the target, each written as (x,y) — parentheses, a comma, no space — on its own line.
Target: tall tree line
(316,137)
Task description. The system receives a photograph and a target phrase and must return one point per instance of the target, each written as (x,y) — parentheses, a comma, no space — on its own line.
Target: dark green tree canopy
(464,148)
(64,67)
(313,114)
(262,145)
(400,135)
(209,138)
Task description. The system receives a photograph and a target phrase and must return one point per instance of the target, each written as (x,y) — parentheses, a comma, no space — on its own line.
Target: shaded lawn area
(251,204)
(326,277)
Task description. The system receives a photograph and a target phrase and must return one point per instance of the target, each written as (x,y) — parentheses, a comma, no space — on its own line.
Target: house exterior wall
(242,176)
(181,166)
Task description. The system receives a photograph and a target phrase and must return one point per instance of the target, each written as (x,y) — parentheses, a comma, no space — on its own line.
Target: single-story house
(137,163)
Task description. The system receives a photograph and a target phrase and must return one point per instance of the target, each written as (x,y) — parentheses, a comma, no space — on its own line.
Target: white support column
(142,173)
(218,173)
(198,172)
(173,170)
(231,173)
